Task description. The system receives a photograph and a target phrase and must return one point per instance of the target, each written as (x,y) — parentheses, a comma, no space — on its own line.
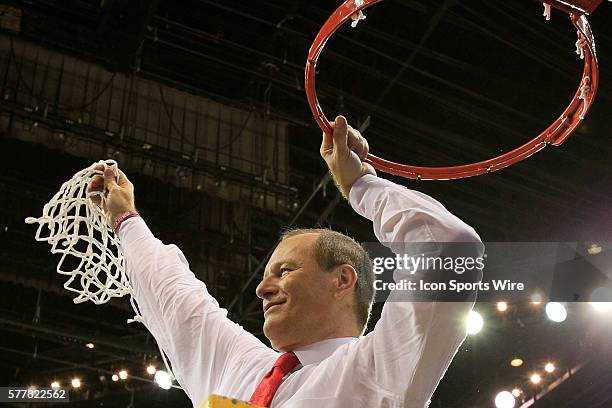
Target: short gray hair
(333,248)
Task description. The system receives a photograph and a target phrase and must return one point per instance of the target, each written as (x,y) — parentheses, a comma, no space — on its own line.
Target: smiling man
(317,273)
(317,293)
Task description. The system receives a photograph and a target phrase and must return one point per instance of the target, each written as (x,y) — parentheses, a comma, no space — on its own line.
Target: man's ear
(346,280)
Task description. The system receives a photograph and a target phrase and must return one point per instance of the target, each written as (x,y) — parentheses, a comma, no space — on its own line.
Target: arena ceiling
(439,82)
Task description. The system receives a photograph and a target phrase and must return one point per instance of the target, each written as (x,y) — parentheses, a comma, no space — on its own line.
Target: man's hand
(343,152)
(119,193)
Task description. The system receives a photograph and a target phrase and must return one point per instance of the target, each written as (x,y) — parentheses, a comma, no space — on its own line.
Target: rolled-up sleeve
(414,342)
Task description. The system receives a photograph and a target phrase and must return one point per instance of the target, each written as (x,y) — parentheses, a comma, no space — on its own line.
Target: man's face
(298,296)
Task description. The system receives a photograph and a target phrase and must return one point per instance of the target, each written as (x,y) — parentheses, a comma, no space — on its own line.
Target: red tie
(267,387)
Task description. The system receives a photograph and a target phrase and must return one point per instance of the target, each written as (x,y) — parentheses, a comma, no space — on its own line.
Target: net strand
(581,43)
(358,16)
(546,11)
(585,91)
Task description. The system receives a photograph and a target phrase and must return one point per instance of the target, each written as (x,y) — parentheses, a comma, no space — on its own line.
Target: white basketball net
(76,228)
(357,17)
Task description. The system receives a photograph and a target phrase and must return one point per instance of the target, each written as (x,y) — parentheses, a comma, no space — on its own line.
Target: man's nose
(267,287)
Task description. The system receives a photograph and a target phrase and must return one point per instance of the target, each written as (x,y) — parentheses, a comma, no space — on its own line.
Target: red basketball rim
(554,134)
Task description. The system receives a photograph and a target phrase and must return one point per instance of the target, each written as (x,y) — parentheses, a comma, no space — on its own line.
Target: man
(317,294)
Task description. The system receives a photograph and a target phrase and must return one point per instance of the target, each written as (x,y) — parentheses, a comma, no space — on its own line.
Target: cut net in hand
(76,228)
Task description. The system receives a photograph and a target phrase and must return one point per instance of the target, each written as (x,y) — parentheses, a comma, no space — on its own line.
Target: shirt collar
(319,351)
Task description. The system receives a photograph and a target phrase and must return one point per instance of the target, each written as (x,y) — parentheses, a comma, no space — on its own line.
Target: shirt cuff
(132,230)
(367,182)
(359,186)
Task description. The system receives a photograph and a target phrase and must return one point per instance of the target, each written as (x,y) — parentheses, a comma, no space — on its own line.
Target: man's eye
(284,271)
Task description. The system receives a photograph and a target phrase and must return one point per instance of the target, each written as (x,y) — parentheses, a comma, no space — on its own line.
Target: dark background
(443,82)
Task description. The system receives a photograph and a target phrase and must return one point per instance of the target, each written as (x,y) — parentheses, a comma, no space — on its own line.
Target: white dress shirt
(398,364)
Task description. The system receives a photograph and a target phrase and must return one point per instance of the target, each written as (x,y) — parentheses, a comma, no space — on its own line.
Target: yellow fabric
(217,401)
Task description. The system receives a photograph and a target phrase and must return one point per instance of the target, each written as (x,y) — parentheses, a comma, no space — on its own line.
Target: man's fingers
(343,140)
(369,169)
(363,148)
(353,138)
(110,182)
(341,135)
(327,145)
(123,181)
(96,184)
(357,143)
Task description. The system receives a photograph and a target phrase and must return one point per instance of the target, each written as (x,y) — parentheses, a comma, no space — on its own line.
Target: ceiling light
(151,369)
(55,384)
(549,367)
(535,378)
(123,374)
(474,322)
(163,379)
(505,400)
(594,249)
(517,362)
(517,392)
(90,345)
(502,306)
(556,312)
(76,383)
(536,299)
(115,377)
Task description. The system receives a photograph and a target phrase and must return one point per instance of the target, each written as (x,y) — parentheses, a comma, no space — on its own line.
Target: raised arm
(414,342)
(205,348)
